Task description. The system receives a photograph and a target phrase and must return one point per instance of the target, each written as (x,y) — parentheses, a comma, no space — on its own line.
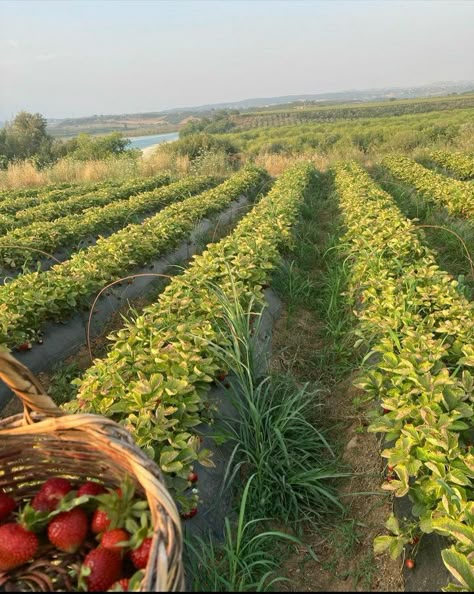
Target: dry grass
(275,164)
(24,173)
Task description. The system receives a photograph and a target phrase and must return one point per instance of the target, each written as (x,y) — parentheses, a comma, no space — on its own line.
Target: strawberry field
(370,376)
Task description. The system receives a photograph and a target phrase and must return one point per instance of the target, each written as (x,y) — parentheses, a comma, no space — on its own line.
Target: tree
(25,137)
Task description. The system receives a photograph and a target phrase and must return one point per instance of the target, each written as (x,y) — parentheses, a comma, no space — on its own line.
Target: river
(141,142)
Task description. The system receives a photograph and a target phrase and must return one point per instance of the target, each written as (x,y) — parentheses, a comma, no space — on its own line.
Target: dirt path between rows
(344,548)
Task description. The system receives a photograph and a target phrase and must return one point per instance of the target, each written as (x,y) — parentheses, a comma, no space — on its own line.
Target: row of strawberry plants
(157,374)
(34,191)
(48,211)
(31,299)
(461,164)
(420,331)
(456,196)
(14,200)
(64,231)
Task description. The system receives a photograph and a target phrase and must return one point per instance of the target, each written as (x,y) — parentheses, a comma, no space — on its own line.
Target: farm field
(339,427)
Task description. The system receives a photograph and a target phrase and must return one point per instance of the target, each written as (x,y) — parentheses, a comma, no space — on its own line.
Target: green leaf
(460,567)
(458,530)
(382,543)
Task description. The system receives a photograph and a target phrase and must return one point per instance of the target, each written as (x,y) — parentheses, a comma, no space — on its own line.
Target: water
(141,142)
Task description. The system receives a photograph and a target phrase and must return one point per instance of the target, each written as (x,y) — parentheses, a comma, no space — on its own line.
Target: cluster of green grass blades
(290,465)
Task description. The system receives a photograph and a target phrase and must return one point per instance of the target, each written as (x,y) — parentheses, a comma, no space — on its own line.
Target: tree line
(26,137)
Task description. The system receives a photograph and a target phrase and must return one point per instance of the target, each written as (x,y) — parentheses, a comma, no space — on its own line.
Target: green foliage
(245,562)
(50,206)
(25,137)
(156,376)
(30,299)
(420,332)
(460,164)
(86,147)
(195,145)
(148,197)
(364,136)
(456,196)
(220,123)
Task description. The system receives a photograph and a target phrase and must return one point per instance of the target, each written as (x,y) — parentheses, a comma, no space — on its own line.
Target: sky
(68,58)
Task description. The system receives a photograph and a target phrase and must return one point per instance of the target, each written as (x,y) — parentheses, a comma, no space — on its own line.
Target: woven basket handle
(28,389)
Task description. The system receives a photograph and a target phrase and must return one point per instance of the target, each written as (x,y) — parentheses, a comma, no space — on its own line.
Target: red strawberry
(120,586)
(112,538)
(68,530)
(50,494)
(192,477)
(105,568)
(100,521)
(17,546)
(410,564)
(90,488)
(7,505)
(139,556)
(190,514)
(221,375)
(25,346)
(40,503)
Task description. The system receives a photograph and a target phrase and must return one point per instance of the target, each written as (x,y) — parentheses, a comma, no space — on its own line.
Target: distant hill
(428,90)
(171,120)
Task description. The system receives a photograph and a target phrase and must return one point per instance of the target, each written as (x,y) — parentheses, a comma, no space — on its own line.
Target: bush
(86,147)
(196,145)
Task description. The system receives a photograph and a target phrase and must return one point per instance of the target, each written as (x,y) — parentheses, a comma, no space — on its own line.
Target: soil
(344,549)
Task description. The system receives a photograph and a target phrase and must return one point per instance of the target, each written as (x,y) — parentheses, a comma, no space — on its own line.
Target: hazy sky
(72,57)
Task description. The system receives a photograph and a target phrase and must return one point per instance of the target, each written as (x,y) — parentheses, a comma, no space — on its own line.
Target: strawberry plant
(419,330)
(66,230)
(160,367)
(461,164)
(31,299)
(456,196)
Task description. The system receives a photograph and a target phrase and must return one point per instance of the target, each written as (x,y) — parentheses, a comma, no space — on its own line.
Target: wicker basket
(44,442)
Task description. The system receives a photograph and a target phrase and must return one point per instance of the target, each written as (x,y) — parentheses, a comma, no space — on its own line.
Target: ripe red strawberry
(105,568)
(40,503)
(17,546)
(50,494)
(25,346)
(193,477)
(7,505)
(221,375)
(410,564)
(139,556)
(120,586)
(90,488)
(100,521)
(112,538)
(190,514)
(68,530)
